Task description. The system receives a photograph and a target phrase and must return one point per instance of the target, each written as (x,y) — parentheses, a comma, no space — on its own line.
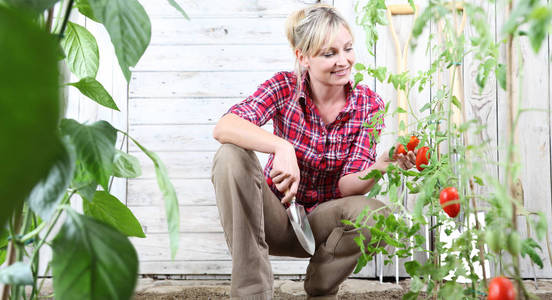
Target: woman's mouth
(341,72)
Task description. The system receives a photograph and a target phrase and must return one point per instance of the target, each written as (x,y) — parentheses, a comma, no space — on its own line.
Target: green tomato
(514,243)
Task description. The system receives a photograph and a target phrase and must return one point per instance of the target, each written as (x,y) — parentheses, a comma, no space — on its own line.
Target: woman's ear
(302,59)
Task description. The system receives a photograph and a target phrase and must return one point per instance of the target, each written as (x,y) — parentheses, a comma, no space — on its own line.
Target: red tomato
(400,149)
(413,143)
(449,194)
(501,288)
(422,158)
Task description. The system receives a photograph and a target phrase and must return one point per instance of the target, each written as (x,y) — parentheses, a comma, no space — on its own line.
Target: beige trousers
(256,225)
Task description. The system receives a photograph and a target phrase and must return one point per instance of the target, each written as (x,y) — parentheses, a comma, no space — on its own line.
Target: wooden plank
(223,8)
(216,58)
(193,219)
(223,267)
(184,165)
(177,137)
(533,137)
(218,30)
(178,111)
(417,60)
(145,192)
(196,84)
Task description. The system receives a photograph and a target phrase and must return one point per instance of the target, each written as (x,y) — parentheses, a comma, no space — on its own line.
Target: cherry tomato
(422,158)
(413,143)
(501,288)
(449,194)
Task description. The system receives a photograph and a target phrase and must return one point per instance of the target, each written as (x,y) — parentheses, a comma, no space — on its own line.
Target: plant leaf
(541,227)
(47,194)
(126,165)
(18,273)
(4,234)
(37,6)
(129,27)
(84,8)
(95,147)
(81,51)
(84,182)
(179,8)
(94,90)
(169,195)
(108,209)
(91,260)
(29,108)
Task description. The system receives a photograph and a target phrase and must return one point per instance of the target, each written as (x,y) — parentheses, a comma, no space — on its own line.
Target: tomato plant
(447,195)
(501,288)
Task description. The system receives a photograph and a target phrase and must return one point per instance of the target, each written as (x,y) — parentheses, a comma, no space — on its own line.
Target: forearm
(351,184)
(232,129)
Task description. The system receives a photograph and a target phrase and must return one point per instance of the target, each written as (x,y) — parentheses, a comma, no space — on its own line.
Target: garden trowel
(300,223)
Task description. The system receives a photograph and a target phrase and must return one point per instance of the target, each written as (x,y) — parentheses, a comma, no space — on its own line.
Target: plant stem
(66,18)
(11,255)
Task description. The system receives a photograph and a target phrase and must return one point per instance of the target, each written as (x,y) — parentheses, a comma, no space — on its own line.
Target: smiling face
(331,66)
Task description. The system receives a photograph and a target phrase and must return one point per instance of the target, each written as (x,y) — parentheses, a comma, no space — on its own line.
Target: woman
(318,151)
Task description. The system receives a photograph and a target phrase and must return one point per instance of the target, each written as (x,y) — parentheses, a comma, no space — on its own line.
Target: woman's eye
(349,49)
(328,54)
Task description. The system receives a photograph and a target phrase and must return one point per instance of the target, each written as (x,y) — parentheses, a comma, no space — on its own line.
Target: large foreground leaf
(92,261)
(95,146)
(169,195)
(37,6)
(81,50)
(29,108)
(108,209)
(47,194)
(129,27)
(94,90)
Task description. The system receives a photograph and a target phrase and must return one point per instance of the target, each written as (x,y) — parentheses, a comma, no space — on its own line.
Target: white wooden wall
(195,70)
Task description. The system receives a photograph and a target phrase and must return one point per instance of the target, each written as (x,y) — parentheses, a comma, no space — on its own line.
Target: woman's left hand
(404,161)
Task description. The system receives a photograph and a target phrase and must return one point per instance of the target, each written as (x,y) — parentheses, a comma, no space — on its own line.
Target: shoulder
(367,100)
(283,79)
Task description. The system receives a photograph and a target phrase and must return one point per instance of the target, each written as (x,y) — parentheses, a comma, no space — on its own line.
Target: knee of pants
(235,161)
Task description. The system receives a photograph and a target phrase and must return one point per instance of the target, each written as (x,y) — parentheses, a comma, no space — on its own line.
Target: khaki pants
(256,225)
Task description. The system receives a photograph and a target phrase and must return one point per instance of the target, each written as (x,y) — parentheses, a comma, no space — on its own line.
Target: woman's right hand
(285,172)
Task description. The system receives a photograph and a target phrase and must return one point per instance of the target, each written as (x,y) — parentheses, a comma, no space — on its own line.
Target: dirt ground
(149,289)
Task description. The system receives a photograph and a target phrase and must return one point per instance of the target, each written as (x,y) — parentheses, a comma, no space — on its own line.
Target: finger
(279,178)
(412,156)
(273,173)
(284,185)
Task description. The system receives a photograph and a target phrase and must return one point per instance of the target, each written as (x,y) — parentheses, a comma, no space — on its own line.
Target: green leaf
(81,51)
(108,209)
(456,102)
(169,195)
(528,247)
(95,146)
(94,90)
(412,267)
(37,6)
(501,75)
(129,27)
(177,7)
(540,19)
(4,234)
(359,67)
(542,226)
(47,194)
(126,165)
(358,78)
(18,273)
(84,182)
(84,8)
(91,260)
(29,108)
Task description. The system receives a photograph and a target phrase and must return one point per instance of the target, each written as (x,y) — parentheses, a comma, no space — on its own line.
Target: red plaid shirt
(325,152)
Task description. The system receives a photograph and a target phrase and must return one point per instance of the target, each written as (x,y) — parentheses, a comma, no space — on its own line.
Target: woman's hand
(404,161)
(285,171)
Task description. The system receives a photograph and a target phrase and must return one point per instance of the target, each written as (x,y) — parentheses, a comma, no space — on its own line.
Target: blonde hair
(310,28)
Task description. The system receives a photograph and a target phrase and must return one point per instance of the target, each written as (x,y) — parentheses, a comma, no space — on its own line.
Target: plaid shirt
(325,152)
